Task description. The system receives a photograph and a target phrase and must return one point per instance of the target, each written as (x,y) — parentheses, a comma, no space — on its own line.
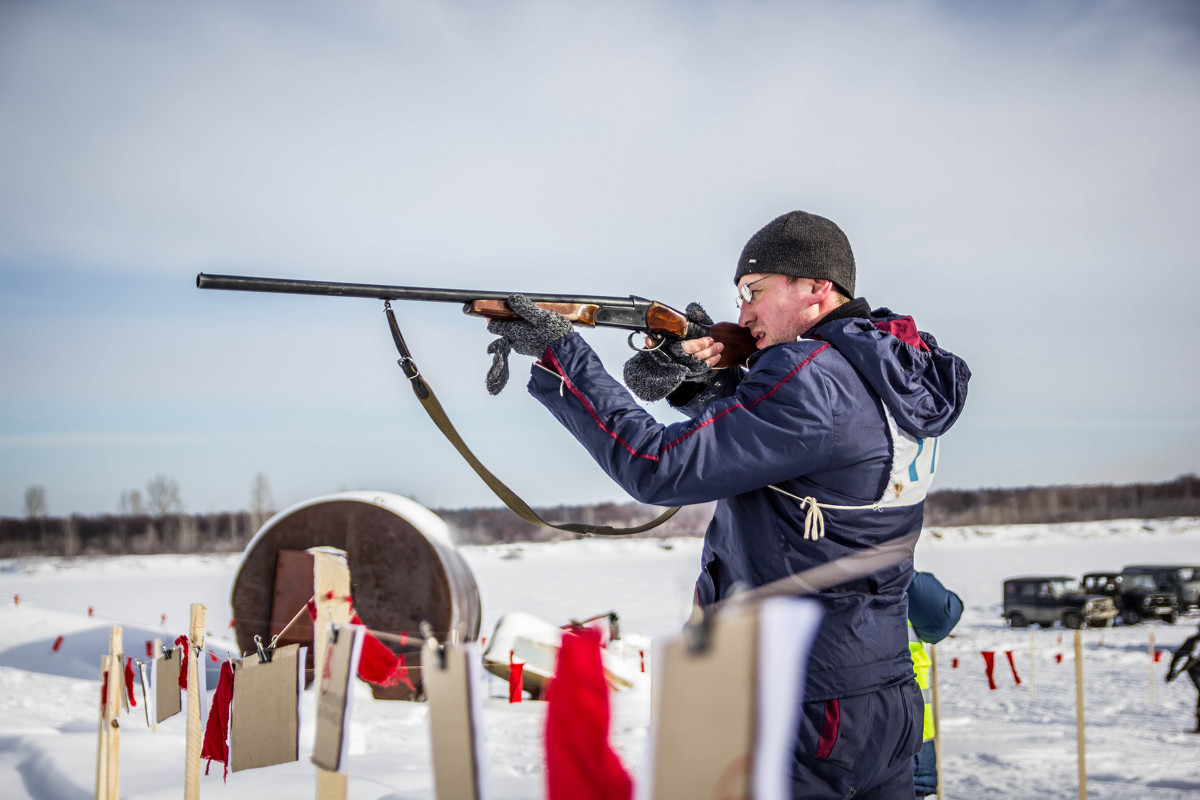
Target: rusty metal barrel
(404,570)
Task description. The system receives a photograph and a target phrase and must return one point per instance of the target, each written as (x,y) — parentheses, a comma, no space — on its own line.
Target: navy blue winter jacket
(848,416)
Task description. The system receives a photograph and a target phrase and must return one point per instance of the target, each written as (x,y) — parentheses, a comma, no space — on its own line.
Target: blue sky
(1022,178)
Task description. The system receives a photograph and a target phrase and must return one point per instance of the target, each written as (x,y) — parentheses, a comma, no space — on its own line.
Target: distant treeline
(231,531)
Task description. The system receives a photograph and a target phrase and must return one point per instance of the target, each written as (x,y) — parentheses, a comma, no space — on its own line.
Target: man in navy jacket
(823,445)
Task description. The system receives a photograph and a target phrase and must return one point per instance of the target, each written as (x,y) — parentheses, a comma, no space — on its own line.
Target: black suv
(1136,596)
(1183,581)
(1046,599)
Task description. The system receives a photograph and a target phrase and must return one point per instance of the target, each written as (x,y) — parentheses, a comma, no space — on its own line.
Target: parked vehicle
(1136,596)
(1046,599)
(1183,580)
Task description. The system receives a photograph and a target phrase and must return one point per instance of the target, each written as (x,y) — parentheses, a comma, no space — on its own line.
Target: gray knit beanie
(802,245)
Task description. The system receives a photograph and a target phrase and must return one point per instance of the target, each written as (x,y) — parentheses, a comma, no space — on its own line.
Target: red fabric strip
(183,667)
(989,662)
(378,664)
(829,728)
(580,762)
(516,681)
(216,732)
(129,682)
(1008,654)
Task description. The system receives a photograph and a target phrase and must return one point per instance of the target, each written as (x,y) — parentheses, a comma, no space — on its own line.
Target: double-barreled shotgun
(637,314)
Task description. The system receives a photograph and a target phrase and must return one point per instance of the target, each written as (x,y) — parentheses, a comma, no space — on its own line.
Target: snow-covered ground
(1013,742)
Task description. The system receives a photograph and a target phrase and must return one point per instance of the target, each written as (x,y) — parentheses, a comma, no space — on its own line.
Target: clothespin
(333,633)
(264,657)
(167,652)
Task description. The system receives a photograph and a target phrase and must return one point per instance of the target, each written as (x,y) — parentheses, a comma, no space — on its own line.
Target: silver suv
(1046,599)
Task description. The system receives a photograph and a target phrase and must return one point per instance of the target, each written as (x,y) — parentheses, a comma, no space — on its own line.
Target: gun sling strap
(518,506)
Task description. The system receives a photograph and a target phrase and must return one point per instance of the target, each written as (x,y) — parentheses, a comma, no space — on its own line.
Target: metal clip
(264,657)
(432,642)
(697,631)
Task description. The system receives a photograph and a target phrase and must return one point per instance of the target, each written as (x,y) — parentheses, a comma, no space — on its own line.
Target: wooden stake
(1079,715)
(153,719)
(108,749)
(1032,667)
(195,725)
(937,718)
(1151,667)
(331,587)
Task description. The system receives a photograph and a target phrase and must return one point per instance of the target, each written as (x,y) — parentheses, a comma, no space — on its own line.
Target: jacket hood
(923,386)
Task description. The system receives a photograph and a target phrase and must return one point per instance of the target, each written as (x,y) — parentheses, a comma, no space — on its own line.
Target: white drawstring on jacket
(814,518)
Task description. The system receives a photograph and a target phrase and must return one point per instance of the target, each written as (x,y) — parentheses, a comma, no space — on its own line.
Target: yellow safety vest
(921,665)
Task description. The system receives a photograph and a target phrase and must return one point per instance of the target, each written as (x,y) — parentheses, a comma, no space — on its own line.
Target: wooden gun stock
(579,313)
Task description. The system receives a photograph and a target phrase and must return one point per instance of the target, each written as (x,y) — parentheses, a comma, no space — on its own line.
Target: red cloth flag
(954,663)
(1058,658)
(129,682)
(989,661)
(516,680)
(378,664)
(1012,666)
(183,667)
(580,762)
(57,644)
(1157,656)
(216,731)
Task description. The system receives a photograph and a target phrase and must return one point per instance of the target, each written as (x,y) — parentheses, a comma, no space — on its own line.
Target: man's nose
(745,315)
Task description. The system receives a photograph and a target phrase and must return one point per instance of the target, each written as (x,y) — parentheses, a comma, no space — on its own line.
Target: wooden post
(331,587)
(937,717)
(108,750)
(195,725)
(1152,667)
(153,719)
(1079,716)
(1032,667)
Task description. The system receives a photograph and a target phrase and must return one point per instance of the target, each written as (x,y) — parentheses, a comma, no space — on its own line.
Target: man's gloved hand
(530,336)
(654,374)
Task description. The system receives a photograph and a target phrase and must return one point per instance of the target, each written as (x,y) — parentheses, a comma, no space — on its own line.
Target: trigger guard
(632,346)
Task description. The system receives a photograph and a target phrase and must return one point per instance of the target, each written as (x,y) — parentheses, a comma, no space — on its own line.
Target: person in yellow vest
(933,611)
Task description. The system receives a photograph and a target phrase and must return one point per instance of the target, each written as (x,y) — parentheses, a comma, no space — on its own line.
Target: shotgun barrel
(376,291)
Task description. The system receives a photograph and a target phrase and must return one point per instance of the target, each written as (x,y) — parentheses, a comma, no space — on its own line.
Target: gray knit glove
(654,374)
(530,336)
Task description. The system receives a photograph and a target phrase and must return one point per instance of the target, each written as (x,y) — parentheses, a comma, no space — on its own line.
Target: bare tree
(162,493)
(131,503)
(261,504)
(35,502)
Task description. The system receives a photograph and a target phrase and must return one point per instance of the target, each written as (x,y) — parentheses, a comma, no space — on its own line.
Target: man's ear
(821,289)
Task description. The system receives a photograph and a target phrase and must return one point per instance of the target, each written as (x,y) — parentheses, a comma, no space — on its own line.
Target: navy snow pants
(860,747)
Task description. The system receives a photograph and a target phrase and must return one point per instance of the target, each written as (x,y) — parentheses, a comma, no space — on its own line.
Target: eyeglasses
(748,295)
